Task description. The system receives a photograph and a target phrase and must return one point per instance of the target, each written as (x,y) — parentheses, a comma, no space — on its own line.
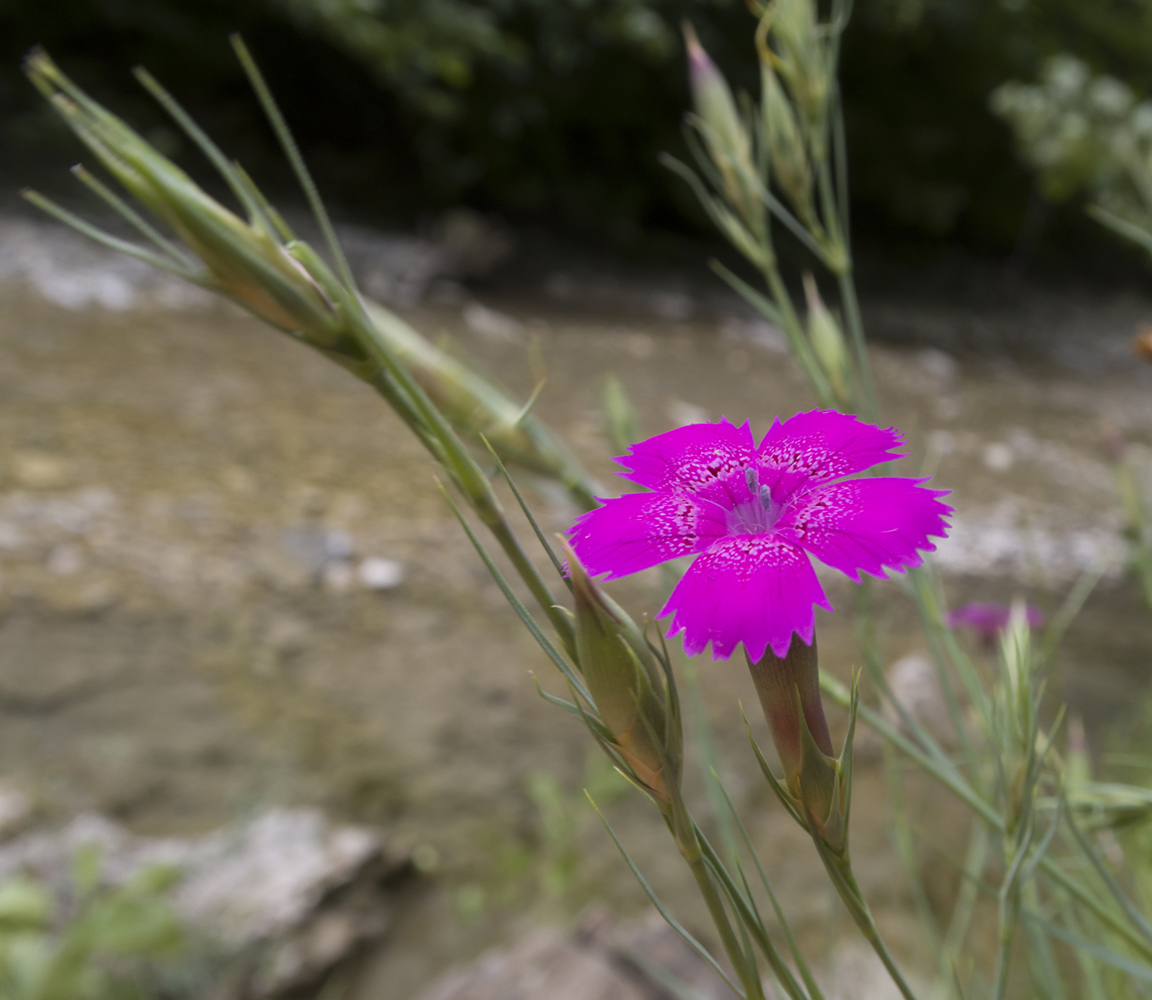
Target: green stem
(794,331)
(963,791)
(504,534)
(870,408)
(749,977)
(840,870)
(750,918)
(1008,915)
(969,888)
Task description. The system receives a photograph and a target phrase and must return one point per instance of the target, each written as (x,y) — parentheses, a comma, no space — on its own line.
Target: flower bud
(242,260)
(786,151)
(789,691)
(624,681)
(723,128)
(828,343)
(803,59)
(713,101)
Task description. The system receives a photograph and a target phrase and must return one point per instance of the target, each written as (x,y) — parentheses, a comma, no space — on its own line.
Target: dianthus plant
(752,515)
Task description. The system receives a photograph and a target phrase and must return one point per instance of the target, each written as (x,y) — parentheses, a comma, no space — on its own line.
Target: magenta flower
(989,619)
(752,515)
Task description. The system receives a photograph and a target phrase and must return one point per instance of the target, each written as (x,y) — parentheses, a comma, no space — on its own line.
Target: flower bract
(752,515)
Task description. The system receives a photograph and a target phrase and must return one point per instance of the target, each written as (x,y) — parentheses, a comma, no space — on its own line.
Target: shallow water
(187,499)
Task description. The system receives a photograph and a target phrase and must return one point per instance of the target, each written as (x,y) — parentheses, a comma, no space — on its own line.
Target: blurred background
(240,633)
(551,114)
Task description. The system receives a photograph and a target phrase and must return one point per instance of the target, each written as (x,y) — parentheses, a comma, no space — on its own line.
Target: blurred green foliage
(92,943)
(554,111)
(1086,133)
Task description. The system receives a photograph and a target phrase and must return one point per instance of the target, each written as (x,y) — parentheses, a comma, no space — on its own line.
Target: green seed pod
(803,62)
(722,126)
(713,101)
(622,677)
(786,150)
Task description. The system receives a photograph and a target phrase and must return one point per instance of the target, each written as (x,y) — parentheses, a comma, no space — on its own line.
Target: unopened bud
(789,691)
(242,260)
(712,98)
(803,58)
(723,128)
(622,678)
(786,151)
(828,343)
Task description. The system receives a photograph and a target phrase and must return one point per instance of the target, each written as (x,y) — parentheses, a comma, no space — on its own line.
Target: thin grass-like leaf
(518,605)
(134,218)
(1042,959)
(523,412)
(1130,909)
(662,976)
(553,558)
(669,919)
(709,761)
(1069,609)
(797,957)
(572,708)
(758,301)
(107,239)
(1129,230)
(213,152)
(840,162)
(773,782)
(911,724)
(1104,954)
(274,216)
(970,871)
(292,151)
(749,917)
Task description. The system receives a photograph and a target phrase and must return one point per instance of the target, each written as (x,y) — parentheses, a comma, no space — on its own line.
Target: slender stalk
(969,889)
(510,543)
(1008,915)
(750,918)
(794,330)
(955,783)
(749,978)
(840,870)
(905,845)
(855,323)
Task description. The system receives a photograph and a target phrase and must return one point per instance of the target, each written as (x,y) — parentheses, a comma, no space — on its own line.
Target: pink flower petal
(755,589)
(639,530)
(707,460)
(819,446)
(866,524)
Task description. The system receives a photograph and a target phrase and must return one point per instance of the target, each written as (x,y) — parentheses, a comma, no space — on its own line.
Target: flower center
(757,514)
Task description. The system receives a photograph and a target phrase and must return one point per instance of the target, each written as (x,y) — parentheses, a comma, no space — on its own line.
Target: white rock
(998,456)
(380,574)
